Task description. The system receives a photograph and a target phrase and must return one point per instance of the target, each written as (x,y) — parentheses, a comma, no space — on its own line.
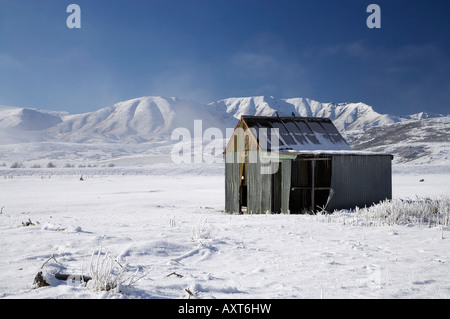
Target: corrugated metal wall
(281,187)
(232,183)
(261,188)
(285,185)
(360,180)
(259,198)
(268,193)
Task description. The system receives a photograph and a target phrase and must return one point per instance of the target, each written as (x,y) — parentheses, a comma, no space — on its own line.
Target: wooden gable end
(242,139)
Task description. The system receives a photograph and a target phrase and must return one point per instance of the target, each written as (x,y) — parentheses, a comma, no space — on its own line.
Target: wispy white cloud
(189,79)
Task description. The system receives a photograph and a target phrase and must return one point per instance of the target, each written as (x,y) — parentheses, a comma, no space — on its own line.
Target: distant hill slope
(27,119)
(138,120)
(423,141)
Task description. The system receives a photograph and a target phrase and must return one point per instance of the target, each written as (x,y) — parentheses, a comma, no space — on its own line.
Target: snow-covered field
(172,230)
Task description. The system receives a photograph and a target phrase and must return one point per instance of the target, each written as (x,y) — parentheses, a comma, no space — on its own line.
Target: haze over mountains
(146,123)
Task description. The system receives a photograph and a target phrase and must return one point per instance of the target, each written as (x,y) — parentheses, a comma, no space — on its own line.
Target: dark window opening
(310,184)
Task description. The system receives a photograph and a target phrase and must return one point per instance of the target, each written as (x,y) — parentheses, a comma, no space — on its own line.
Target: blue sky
(206,50)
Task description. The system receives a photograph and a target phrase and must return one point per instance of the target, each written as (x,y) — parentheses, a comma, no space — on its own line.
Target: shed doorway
(310,184)
(243,180)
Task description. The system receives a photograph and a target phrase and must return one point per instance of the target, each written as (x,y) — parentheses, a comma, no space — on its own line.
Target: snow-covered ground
(172,230)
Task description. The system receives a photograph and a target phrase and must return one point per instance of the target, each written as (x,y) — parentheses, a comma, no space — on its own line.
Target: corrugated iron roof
(295,133)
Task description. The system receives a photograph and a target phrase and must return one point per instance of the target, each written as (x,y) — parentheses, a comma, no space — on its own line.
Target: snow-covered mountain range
(345,116)
(131,126)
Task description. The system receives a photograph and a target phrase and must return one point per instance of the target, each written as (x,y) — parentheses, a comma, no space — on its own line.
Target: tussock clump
(201,231)
(420,211)
(108,274)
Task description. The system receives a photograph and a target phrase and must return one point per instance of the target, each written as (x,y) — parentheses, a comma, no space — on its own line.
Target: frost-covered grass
(426,211)
(204,230)
(108,273)
(419,211)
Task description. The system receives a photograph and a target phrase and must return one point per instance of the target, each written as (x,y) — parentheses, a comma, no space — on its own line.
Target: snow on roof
(333,152)
(296,133)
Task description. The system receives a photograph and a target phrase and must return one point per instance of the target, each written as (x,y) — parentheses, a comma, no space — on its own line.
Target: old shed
(299,164)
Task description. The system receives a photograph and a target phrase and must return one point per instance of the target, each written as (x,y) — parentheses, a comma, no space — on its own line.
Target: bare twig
(176,261)
(52,257)
(189,293)
(174,273)
(1,210)
(28,223)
